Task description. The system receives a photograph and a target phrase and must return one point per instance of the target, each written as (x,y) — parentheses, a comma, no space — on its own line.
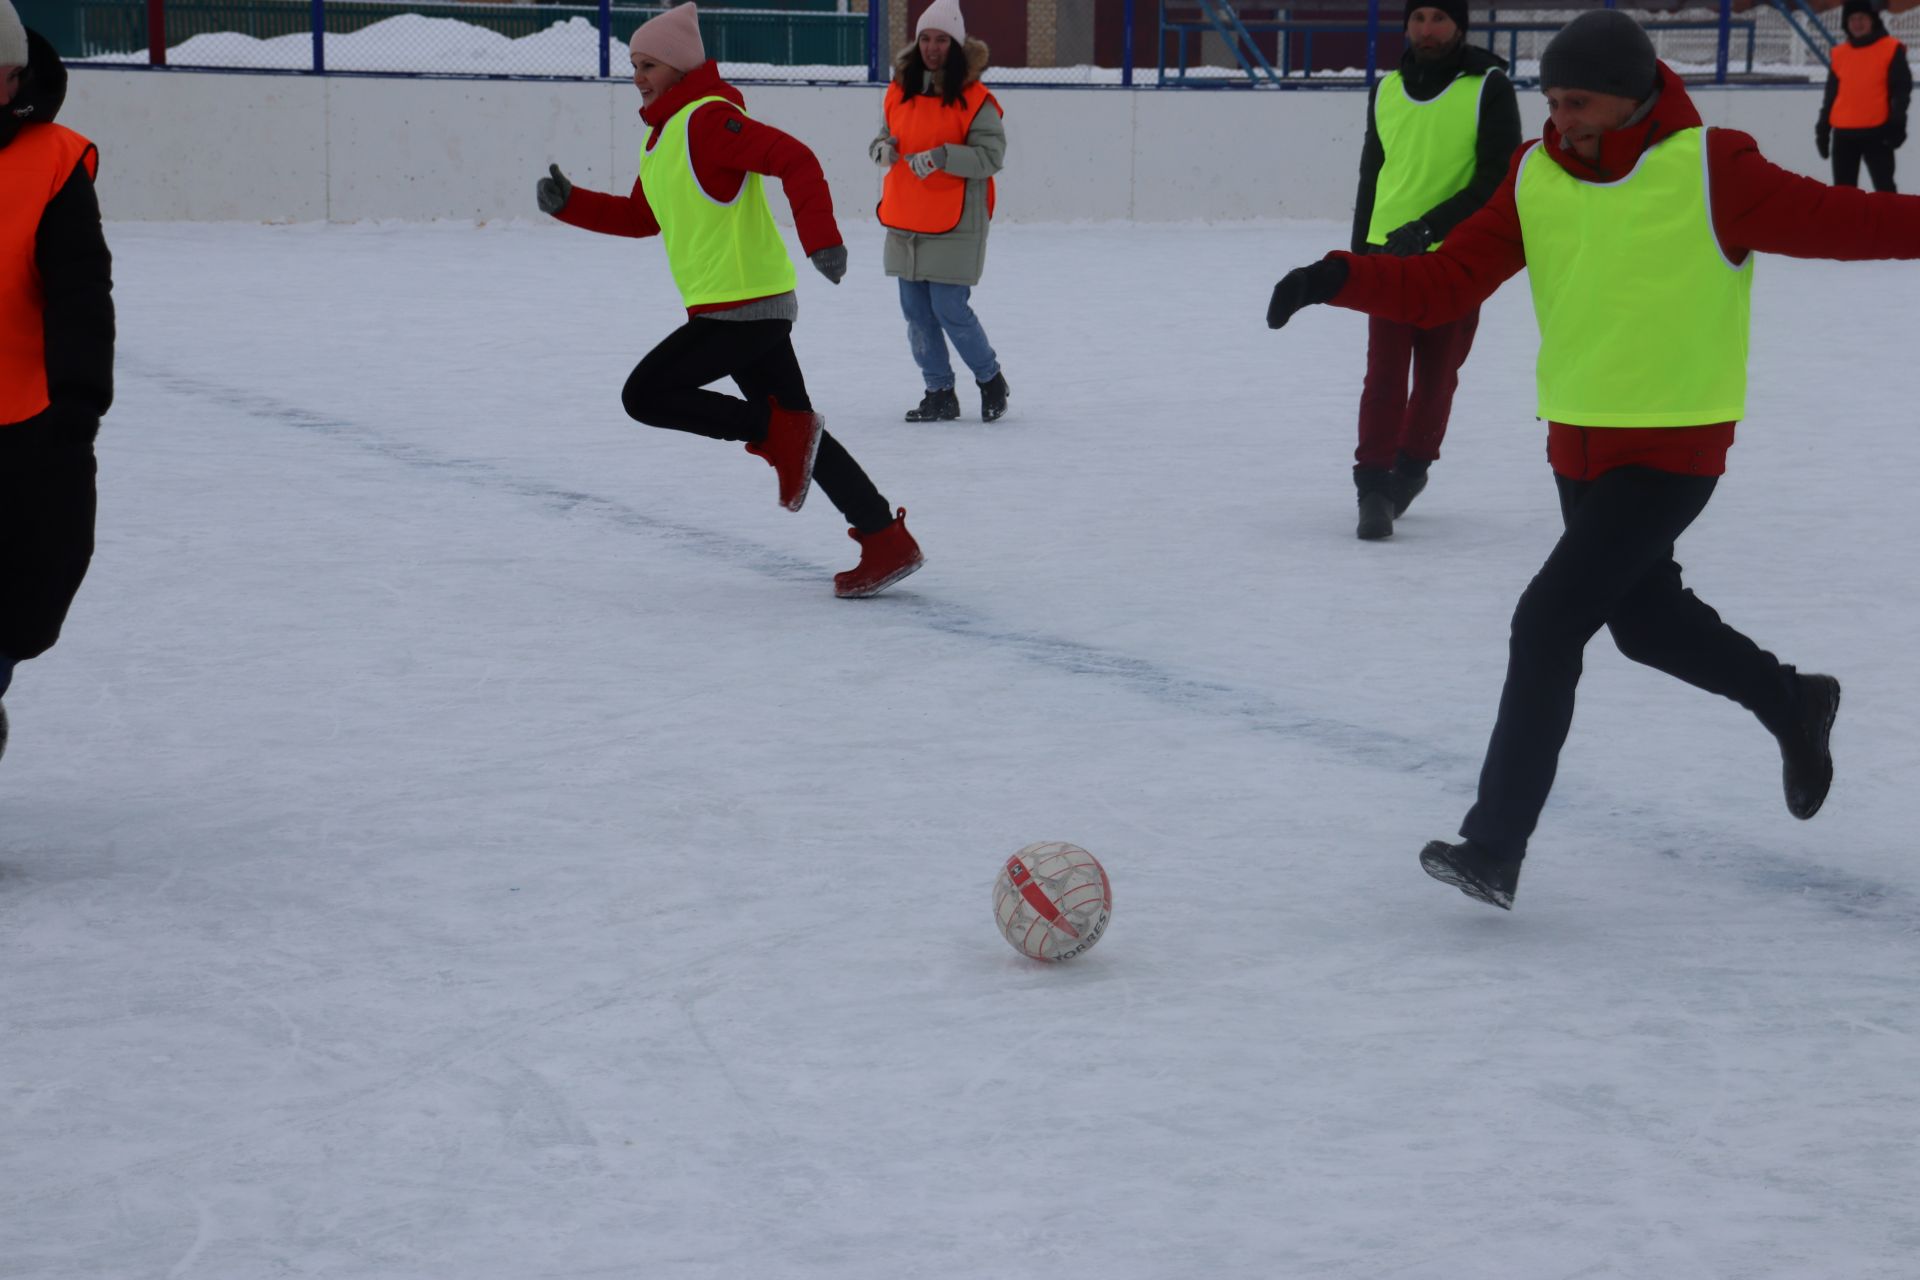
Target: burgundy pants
(1394,420)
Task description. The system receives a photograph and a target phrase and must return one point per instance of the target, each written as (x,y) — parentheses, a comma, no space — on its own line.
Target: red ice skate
(886,557)
(792,440)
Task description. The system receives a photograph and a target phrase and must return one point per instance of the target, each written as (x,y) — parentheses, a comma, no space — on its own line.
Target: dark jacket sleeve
(1372,157)
(1436,288)
(76,275)
(1760,207)
(1825,123)
(1493,151)
(1899,89)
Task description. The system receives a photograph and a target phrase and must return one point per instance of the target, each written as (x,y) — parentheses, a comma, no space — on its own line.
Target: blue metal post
(319,36)
(1720,45)
(875,33)
(1373,43)
(606,38)
(1126,48)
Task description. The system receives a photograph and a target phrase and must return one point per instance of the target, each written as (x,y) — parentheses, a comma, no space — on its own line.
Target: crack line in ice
(1765,868)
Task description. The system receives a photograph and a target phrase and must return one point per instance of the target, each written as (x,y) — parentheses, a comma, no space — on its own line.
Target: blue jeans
(936,312)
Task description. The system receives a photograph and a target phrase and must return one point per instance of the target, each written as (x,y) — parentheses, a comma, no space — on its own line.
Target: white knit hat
(942,15)
(672,38)
(13,37)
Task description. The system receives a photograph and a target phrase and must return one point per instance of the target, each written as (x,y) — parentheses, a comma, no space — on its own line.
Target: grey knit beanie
(1601,51)
(13,37)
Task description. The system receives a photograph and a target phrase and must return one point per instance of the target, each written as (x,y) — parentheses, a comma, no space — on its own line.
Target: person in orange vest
(1864,113)
(56,348)
(1638,228)
(699,190)
(940,143)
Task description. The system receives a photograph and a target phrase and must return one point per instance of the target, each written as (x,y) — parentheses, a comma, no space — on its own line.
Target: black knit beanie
(1852,7)
(1601,51)
(1455,9)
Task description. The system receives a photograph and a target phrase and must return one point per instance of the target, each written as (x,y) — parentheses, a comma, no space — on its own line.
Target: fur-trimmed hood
(977,54)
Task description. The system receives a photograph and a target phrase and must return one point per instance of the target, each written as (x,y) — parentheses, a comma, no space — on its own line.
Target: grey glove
(884,152)
(553,193)
(830,262)
(923,163)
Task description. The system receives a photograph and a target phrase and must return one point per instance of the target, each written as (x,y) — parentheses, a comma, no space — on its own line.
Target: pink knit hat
(943,15)
(672,37)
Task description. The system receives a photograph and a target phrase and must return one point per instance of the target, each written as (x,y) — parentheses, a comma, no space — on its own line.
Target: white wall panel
(204,147)
(421,149)
(183,145)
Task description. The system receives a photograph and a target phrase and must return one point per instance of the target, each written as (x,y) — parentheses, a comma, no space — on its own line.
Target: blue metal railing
(1268,46)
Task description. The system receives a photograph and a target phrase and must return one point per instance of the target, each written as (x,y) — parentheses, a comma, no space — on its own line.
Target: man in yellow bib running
(699,190)
(1637,227)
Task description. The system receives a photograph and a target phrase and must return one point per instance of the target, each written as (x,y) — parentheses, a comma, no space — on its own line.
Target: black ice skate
(993,397)
(1806,760)
(1475,870)
(936,406)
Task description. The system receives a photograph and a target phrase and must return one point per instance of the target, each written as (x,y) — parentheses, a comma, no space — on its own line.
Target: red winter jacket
(726,145)
(1756,205)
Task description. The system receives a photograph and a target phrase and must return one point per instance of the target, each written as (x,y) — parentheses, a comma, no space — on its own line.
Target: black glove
(1305,286)
(1411,240)
(1894,134)
(553,193)
(68,422)
(1823,141)
(830,262)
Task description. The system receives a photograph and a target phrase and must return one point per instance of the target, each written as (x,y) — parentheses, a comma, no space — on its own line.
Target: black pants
(46,530)
(1850,147)
(666,390)
(1612,567)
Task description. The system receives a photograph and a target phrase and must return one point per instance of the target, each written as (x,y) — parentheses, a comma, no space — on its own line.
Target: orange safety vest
(33,169)
(931,205)
(1862,73)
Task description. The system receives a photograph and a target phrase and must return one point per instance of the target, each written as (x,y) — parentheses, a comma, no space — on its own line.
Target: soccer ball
(1052,900)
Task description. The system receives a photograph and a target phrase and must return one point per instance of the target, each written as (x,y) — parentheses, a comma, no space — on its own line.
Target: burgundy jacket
(726,145)
(1756,206)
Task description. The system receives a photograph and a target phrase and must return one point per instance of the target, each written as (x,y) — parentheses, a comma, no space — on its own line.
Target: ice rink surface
(460,835)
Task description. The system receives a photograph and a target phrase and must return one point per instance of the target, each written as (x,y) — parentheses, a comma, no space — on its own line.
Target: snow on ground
(461,835)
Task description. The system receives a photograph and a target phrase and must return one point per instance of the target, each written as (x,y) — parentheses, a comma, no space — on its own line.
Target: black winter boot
(1409,478)
(936,406)
(993,397)
(1475,870)
(1806,759)
(1376,502)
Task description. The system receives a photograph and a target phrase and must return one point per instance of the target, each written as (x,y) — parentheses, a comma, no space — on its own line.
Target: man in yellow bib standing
(1440,131)
(699,190)
(56,348)
(1637,227)
(1864,113)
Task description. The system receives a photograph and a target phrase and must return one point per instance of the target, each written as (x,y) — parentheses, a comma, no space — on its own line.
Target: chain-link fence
(1168,43)
(794,39)
(1209,42)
